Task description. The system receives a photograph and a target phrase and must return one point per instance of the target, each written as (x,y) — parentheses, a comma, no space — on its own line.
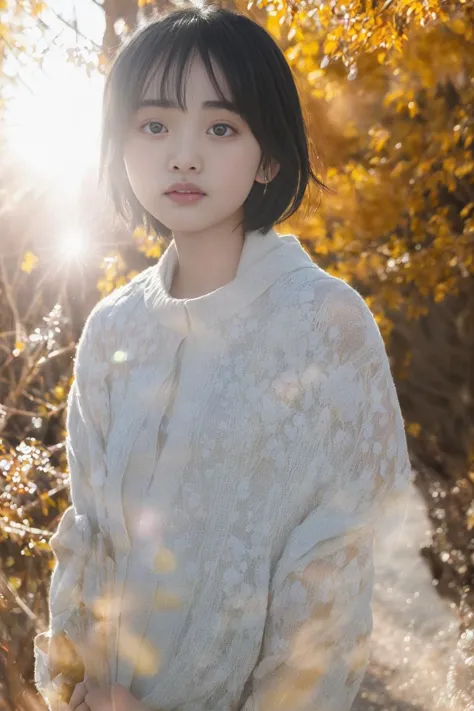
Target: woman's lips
(184,198)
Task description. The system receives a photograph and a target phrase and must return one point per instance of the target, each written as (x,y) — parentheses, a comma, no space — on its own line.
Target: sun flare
(53,130)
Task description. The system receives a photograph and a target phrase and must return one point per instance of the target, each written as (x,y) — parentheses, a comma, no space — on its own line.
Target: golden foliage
(388,90)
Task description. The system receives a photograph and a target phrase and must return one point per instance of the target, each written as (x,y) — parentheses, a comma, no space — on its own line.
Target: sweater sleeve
(73,539)
(316,641)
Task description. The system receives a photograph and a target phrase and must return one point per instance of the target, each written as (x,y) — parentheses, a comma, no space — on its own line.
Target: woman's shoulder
(111,317)
(319,295)
(123,299)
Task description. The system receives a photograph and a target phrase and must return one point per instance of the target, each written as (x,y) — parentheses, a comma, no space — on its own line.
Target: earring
(265,180)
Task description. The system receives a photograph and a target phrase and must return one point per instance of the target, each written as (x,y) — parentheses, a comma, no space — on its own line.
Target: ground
(415,630)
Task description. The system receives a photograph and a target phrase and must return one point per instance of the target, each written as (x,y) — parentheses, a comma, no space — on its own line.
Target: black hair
(262,87)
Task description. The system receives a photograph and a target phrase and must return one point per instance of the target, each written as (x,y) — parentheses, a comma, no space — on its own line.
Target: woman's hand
(78,697)
(65,668)
(89,696)
(64,659)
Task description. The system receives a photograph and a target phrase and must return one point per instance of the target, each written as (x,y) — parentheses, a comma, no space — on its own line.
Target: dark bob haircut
(262,87)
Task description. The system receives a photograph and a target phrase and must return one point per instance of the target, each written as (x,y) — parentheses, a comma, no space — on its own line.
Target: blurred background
(388,93)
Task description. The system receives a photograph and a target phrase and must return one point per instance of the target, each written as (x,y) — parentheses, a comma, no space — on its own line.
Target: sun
(53,130)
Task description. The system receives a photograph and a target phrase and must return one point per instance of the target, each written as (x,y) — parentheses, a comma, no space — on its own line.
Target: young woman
(234,433)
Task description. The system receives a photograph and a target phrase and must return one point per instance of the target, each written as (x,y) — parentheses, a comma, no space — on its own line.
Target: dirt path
(415,631)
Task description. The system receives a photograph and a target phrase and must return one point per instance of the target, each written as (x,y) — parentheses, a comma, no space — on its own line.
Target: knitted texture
(233,459)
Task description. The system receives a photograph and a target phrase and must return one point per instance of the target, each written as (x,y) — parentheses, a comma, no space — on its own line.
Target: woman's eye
(226,125)
(153,123)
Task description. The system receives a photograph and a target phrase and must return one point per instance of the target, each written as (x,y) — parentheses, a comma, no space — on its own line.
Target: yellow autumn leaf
(467,209)
(458,26)
(273,26)
(37,7)
(330,46)
(59,392)
(140,232)
(30,262)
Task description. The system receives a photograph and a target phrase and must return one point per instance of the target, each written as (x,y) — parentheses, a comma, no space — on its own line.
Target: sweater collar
(264,259)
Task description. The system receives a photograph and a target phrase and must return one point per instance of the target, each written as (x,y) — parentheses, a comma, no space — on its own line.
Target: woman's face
(211,147)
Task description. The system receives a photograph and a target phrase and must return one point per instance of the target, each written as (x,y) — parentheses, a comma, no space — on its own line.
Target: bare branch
(75,29)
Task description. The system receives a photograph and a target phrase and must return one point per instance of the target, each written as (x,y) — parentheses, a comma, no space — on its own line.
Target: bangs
(173,66)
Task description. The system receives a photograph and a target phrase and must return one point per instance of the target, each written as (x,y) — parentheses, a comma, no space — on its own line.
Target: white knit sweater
(233,458)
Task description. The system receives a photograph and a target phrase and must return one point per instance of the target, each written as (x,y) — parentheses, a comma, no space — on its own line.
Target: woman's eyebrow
(210,104)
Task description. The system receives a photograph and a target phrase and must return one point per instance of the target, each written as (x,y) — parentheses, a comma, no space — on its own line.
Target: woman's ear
(266,175)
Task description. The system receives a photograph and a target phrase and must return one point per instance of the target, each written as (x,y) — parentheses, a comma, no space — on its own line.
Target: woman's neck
(205,264)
